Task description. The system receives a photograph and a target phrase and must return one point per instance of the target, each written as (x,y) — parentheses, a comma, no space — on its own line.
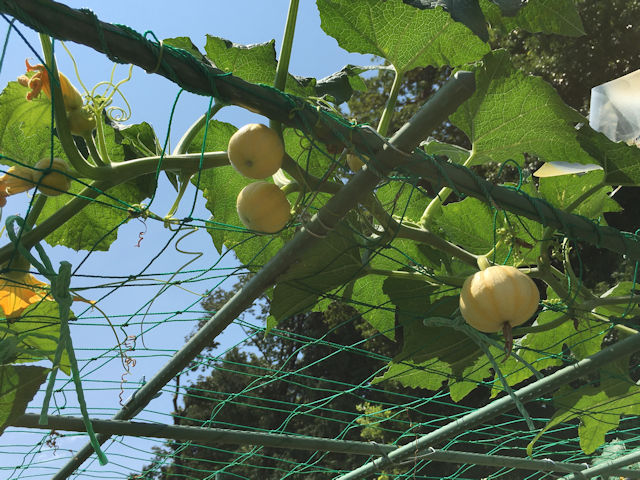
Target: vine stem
(586,307)
(191,132)
(395,229)
(62,125)
(544,262)
(102,143)
(34,212)
(447,280)
(118,173)
(441,197)
(389,108)
(282,70)
(93,151)
(548,231)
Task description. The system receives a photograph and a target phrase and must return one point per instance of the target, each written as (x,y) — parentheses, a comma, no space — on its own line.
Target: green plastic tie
(60,282)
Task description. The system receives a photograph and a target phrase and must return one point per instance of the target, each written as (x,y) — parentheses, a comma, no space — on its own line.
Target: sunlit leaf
(38,329)
(621,162)
(547,16)
(405,36)
(96,226)
(562,192)
(511,113)
(374,305)
(18,386)
(453,152)
(598,408)
(467,12)
(253,63)
(31,118)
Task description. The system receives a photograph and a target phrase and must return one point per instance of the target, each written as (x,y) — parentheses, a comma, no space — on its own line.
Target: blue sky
(151,97)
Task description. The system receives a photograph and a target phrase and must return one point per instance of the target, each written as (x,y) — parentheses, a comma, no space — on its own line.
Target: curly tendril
(102,101)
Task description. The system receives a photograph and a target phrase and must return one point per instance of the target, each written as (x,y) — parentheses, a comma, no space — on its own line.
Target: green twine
(60,282)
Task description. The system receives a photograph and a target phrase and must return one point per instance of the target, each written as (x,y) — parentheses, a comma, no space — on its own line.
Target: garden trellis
(329,254)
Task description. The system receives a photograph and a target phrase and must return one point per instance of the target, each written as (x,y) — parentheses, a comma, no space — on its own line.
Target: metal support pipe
(607,468)
(296,442)
(208,435)
(530,392)
(444,102)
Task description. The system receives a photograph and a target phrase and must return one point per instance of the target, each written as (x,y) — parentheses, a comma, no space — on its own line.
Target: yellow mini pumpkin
(263,207)
(498,296)
(256,151)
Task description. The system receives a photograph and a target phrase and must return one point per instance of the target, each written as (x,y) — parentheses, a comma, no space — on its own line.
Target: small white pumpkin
(498,296)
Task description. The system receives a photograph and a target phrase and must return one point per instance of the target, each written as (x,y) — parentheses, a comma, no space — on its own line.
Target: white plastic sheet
(615,108)
(615,111)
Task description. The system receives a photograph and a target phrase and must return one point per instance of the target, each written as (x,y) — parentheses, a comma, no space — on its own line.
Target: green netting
(345,326)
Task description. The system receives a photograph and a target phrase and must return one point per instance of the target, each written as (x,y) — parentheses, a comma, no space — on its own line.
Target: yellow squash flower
(40,82)
(19,290)
(18,179)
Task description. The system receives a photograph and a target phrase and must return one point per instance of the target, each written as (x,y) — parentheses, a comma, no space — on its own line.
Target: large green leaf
(95,227)
(598,408)
(564,190)
(402,200)
(185,43)
(130,142)
(324,267)
(18,386)
(25,127)
(38,330)
(405,36)
(253,63)
(309,157)
(621,162)
(339,86)
(467,12)
(432,355)
(368,295)
(31,117)
(453,152)
(17,148)
(623,310)
(511,113)
(374,305)
(554,347)
(471,224)
(138,140)
(546,16)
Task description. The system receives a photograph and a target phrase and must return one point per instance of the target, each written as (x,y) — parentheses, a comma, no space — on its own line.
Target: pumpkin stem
(483,262)
(508,339)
